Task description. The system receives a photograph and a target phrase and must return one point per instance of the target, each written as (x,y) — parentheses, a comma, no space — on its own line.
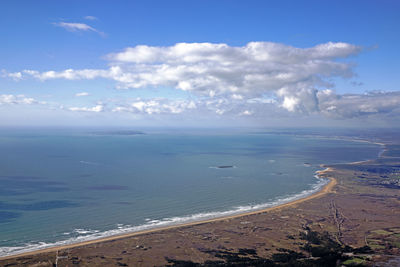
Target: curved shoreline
(324,190)
(327,188)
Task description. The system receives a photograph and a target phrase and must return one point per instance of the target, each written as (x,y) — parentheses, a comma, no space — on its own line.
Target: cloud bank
(257,79)
(218,69)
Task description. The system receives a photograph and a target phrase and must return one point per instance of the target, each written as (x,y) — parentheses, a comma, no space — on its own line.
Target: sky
(200,63)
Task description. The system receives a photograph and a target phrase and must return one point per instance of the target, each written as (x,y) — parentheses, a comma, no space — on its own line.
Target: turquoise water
(60,187)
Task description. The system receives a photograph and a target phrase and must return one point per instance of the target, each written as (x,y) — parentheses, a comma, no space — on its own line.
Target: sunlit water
(63,187)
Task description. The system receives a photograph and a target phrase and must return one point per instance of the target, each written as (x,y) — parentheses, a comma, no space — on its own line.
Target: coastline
(324,190)
(354,210)
(327,188)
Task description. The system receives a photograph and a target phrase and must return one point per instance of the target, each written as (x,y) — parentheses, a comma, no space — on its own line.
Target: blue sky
(202,83)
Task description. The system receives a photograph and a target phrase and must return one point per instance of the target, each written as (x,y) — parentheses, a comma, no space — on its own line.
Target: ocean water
(59,187)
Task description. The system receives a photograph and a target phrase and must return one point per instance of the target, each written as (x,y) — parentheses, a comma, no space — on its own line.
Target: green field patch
(376,245)
(396,244)
(382,232)
(354,261)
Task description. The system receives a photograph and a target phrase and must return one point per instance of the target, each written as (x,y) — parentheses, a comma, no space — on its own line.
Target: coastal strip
(326,189)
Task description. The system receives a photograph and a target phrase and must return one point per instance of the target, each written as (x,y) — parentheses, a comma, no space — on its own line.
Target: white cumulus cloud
(218,69)
(17,99)
(156,106)
(97,108)
(257,79)
(359,105)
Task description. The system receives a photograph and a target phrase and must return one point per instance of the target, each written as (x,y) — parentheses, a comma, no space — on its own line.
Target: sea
(63,186)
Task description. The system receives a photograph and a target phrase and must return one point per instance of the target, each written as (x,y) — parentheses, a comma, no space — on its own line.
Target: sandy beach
(326,189)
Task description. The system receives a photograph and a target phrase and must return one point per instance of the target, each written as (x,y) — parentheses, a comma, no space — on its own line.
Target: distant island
(225,166)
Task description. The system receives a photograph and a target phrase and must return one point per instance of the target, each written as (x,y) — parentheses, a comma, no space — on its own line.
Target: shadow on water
(22,185)
(108,187)
(8,216)
(43,205)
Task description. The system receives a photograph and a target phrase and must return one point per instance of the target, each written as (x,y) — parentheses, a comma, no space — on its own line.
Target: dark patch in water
(44,205)
(86,175)
(108,187)
(20,177)
(84,198)
(7,216)
(123,203)
(55,189)
(58,156)
(168,154)
(225,166)
(26,199)
(22,185)
(8,192)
